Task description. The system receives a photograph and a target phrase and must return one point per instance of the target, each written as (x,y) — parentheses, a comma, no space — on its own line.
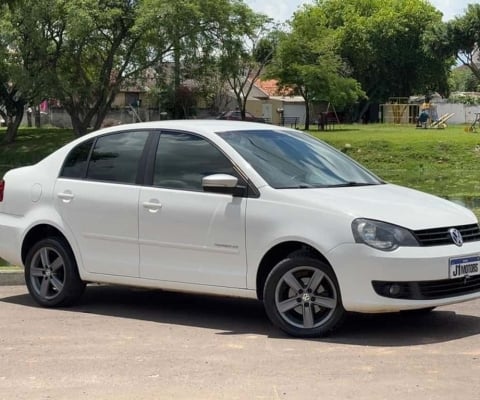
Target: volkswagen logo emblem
(456,236)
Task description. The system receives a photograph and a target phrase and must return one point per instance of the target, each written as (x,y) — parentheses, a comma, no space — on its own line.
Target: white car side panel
(271,222)
(105,220)
(11,230)
(192,237)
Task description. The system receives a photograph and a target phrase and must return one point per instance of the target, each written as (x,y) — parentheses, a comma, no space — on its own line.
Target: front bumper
(418,271)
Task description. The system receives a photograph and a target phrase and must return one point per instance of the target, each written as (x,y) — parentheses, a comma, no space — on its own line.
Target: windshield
(289,159)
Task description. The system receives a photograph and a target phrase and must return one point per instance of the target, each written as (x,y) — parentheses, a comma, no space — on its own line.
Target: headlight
(380,235)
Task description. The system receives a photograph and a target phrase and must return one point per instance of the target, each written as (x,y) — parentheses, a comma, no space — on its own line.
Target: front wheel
(302,297)
(51,273)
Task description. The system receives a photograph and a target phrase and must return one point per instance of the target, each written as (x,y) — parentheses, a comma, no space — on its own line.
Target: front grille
(428,290)
(441,236)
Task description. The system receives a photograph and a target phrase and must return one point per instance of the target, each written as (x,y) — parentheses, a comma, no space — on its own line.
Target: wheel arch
(39,232)
(277,254)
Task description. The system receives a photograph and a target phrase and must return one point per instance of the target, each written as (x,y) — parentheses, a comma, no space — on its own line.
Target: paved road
(122,343)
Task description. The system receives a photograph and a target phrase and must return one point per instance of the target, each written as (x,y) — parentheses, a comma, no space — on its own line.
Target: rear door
(98,200)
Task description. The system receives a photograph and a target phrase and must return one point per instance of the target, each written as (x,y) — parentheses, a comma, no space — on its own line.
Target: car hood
(389,203)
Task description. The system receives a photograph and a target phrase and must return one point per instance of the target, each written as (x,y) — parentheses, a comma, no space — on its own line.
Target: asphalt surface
(123,343)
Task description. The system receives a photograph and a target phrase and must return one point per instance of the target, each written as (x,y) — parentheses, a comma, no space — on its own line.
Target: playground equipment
(441,123)
(398,111)
(475,124)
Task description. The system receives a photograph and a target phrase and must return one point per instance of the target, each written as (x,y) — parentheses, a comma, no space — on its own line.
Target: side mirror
(222,183)
(219,181)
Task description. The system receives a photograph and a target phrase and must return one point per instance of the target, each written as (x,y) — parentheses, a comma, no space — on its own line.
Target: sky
(281,10)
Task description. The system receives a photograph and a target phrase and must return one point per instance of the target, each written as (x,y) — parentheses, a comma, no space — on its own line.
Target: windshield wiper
(351,184)
(302,186)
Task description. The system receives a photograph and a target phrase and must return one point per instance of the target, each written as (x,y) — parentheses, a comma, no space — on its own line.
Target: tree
(197,32)
(192,32)
(382,43)
(247,46)
(306,60)
(88,49)
(18,85)
(82,49)
(12,104)
(459,39)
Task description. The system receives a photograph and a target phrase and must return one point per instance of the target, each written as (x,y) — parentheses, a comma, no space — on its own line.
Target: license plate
(466,266)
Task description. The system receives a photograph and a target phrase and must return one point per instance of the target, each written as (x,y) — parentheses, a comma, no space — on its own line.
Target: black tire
(51,273)
(302,297)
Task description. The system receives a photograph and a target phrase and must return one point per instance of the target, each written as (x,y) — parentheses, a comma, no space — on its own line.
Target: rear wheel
(51,273)
(302,297)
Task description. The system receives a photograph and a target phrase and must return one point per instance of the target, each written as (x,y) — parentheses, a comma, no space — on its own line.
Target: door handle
(66,197)
(152,206)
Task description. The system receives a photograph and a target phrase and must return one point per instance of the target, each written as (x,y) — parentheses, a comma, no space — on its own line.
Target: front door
(186,234)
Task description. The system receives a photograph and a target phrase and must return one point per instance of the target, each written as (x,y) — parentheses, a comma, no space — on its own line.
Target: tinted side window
(75,164)
(116,157)
(183,160)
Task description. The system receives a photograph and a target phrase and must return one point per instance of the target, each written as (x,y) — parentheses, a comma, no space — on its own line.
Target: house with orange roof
(273,103)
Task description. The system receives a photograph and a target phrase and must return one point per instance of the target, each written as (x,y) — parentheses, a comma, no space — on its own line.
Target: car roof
(205,126)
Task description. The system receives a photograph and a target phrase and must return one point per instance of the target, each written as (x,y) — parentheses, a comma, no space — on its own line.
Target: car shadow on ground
(233,316)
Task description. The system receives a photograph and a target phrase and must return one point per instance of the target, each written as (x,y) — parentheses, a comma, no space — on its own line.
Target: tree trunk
(243,110)
(176,76)
(304,94)
(80,127)
(363,110)
(100,116)
(307,115)
(38,121)
(12,126)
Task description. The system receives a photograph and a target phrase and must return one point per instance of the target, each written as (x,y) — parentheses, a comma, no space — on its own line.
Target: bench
(327,120)
(292,121)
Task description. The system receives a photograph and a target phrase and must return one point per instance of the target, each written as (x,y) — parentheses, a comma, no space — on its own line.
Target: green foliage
(306,59)
(18,85)
(463,80)
(180,101)
(459,38)
(247,46)
(78,52)
(212,42)
(462,98)
(382,44)
(85,51)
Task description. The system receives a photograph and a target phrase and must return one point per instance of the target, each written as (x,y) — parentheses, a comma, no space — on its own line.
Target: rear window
(116,157)
(75,165)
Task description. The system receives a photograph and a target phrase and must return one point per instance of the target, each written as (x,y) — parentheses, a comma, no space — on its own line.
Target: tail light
(2,189)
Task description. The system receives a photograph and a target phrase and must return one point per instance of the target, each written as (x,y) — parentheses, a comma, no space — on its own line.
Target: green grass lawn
(31,146)
(443,162)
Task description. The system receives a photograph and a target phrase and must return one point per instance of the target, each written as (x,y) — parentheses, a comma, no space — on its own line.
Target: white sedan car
(236,209)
